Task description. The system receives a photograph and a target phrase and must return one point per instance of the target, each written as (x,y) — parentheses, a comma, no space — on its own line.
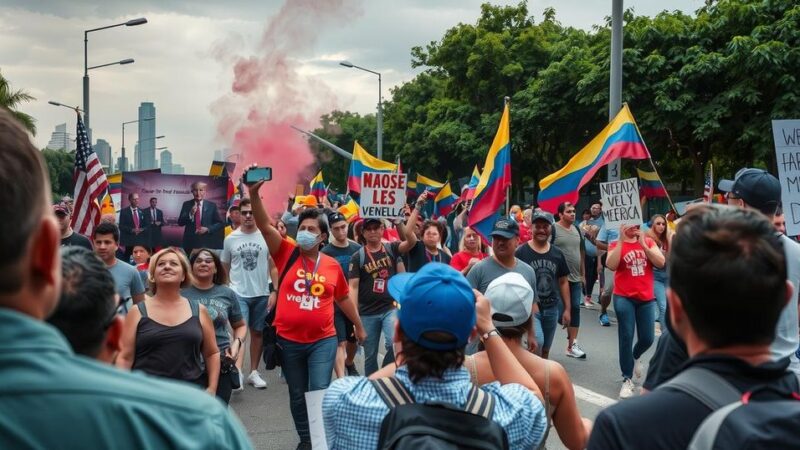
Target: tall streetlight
(139,163)
(615,79)
(86,68)
(123,158)
(350,65)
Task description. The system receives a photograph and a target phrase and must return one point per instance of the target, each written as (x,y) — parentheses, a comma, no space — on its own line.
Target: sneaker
(628,389)
(351,370)
(587,302)
(304,445)
(657,330)
(637,369)
(255,379)
(241,383)
(604,320)
(575,351)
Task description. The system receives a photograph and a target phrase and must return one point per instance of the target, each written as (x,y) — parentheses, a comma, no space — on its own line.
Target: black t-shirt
(549,268)
(667,418)
(76,239)
(418,256)
(373,275)
(342,256)
(667,360)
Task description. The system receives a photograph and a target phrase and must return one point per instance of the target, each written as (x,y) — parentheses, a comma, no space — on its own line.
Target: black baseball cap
(542,215)
(372,220)
(336,217)
(757,187)
(505,227)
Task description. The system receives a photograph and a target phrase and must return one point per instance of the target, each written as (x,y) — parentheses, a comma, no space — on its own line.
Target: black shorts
(344,327)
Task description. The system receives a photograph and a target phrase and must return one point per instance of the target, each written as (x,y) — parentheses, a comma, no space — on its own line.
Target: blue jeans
(660,289)
(575,298)
(306,367)
(632,314)
(373,325)
(546,324)
(254,311)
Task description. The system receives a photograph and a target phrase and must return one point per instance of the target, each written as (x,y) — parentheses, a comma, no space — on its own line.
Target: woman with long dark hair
(662,235)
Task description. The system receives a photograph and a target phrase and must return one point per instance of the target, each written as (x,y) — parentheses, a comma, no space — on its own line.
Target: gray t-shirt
(128,283)
(786,330)
(487,270)
(569,240)
(223,307)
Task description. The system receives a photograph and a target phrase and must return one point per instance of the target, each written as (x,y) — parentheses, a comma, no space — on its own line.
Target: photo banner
(787,154)
(621,203)
(174,202)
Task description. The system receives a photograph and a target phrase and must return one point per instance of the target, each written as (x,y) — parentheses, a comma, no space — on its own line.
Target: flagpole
(653,165)
(507,102)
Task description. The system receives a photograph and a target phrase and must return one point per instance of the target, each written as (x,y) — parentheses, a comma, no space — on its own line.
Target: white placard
(621,203)
(383,195)
(787,153)
(315,425)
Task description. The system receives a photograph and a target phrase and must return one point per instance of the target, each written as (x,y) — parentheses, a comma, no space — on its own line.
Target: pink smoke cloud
(268,94)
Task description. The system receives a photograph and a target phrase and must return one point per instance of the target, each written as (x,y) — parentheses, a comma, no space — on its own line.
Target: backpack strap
(392,392)
(707,387)
(480,403)
(361,255)
(706,433)
(289,263)
(142,309)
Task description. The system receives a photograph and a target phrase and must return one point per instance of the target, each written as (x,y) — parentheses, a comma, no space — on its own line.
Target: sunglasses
(246,213)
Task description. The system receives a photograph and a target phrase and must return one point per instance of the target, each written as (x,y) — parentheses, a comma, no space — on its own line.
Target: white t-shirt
(247,255)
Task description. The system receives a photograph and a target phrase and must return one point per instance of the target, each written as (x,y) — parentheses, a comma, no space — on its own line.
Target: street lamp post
(125,160)
(86,68)
(350,65)
(615,78)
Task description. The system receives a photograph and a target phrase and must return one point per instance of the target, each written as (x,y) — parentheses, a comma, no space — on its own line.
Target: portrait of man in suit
(201,221)
(155,220)
(132,226)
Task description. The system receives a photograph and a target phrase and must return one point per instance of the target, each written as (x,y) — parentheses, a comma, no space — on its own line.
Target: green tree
(11,100)
(60,166)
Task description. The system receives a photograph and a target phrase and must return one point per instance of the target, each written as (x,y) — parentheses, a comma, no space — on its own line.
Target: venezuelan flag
(619,139)
(349,210)
(364,162)
(318,186)
(425,183)
(490,192)
(650,184)
(445,201)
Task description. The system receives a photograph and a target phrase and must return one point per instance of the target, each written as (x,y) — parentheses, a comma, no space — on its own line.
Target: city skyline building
(103,150)
(60,139)
(145,153)
(166,161)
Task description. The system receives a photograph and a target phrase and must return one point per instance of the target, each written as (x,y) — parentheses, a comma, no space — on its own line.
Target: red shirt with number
(300,316)
(634,275)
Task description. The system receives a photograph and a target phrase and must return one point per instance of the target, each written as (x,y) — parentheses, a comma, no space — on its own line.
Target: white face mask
(306,239)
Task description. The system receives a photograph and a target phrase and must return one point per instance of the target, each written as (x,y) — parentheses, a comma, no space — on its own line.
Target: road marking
(592,397)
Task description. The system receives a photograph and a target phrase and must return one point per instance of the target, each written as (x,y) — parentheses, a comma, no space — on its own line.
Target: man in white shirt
(246,258)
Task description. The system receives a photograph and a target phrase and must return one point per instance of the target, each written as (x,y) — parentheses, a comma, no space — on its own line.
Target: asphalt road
(265,413)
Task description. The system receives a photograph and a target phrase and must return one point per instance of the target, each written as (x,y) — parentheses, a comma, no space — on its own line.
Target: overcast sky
(186,53)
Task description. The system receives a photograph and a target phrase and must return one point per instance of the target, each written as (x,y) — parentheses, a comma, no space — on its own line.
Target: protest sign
(383,195)
(621,203)
(787,153)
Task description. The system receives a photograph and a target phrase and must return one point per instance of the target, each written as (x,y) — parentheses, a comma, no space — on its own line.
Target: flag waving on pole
(90,185)
(445,201)
(650,184)
(317,185)
(469,193)
(708,189)
(494,182)
(364,162)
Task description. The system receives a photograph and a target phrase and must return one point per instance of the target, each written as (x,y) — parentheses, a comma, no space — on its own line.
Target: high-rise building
(146,150)
(217,155)
(60,139)
(122,164)
(177,169)
(103,150)
(166,161)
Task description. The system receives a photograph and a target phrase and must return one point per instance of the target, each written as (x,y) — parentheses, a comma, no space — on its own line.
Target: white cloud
(182,67)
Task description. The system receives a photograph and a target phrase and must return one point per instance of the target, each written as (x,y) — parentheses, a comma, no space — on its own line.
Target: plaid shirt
(353,411)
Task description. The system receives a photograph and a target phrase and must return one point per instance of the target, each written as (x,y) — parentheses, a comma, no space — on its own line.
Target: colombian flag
(650,185)
(364,162)
(115,190)
(469,194)
(425,183)
(619,139)
(349,210)
(318,186)
(490,192)
(445,201)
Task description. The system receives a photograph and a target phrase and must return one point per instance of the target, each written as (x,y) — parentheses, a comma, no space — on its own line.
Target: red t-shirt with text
(301,317)
(634,275)
(461,259)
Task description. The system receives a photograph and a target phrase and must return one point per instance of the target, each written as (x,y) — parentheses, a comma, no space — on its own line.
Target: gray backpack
(362,254)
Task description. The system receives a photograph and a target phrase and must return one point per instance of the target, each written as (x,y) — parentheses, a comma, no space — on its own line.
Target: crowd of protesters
(466,327)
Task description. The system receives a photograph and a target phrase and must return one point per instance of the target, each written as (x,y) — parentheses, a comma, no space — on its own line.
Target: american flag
(708,190)
(90,184)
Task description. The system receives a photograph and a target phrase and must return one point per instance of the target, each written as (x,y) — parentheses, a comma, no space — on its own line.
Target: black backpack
(764,417)
(434,425)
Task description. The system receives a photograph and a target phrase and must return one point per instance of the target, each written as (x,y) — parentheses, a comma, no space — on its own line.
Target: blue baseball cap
(435,299)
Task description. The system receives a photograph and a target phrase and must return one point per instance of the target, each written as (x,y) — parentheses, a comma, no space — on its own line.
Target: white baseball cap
(511,297)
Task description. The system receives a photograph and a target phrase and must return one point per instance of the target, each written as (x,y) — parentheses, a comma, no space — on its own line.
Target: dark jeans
(307,367)
(590,266)
(575,292)
(633,315)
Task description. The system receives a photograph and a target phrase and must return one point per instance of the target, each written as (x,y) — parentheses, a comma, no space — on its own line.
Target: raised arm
(263,222)
(409,237)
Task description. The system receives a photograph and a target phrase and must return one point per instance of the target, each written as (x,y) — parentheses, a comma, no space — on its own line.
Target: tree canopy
(703,87)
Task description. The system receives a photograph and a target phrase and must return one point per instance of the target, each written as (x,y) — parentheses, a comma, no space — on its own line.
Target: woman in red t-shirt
(633,258)
(471,251)
(310,282)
